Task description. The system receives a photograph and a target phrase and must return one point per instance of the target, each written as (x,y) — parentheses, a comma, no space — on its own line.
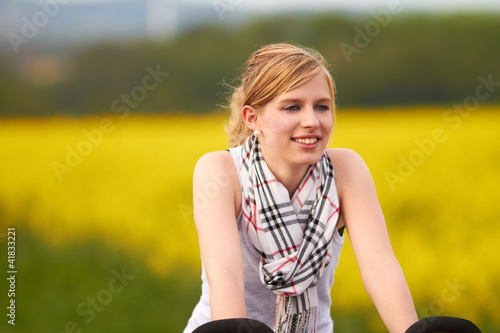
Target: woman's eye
(291,108)
(323,107)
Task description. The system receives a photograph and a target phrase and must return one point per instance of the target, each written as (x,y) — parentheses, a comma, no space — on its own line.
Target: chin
(310,159)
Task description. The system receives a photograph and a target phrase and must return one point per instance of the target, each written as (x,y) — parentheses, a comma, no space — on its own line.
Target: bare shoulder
(216,161)
(346,161)
(350,169)
(215,177)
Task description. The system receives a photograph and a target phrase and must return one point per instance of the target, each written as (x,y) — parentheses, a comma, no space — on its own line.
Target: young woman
(271,238)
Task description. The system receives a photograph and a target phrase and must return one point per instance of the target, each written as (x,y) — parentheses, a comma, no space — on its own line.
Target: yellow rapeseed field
(127,183)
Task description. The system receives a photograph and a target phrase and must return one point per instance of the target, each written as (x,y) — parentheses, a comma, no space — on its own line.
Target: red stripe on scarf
(300,202)
(283,264)
(304,182)
(244,159)
(333,205)
(266,182)
(293,286)
(287,249)
(249,219)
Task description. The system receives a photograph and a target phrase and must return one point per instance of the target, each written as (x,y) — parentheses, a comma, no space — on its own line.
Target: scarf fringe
(286,321)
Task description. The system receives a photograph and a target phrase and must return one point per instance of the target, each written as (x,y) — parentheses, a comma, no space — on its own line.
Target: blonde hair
(272,71)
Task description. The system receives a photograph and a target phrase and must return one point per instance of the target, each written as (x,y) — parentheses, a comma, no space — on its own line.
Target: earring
(256,133)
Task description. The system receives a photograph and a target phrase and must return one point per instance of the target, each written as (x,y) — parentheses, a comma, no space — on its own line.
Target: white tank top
(260,301)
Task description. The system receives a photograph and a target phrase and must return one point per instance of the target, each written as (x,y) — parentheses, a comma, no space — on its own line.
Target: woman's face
(295,127)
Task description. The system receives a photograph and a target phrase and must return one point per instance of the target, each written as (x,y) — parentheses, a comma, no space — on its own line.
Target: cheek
(328,122)
(279,125)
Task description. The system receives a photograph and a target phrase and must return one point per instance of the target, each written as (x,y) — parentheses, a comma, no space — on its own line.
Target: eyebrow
(299,101)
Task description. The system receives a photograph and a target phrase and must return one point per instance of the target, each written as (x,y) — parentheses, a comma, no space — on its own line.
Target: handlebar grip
(443,324)
(235,325)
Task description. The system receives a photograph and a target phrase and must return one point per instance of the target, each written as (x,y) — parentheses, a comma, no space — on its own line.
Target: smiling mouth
(307,141)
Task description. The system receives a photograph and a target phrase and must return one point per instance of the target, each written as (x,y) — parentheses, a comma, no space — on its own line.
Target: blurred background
(105,107)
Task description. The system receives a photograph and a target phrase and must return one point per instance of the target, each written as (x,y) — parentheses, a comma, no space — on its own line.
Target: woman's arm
(380,271)
(215,203)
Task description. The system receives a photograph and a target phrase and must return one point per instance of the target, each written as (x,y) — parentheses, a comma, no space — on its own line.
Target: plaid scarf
(293,237)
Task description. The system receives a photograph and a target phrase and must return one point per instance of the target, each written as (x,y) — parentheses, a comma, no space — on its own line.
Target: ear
(250,117)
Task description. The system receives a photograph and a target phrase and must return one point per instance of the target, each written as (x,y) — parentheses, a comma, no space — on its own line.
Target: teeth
(307,141)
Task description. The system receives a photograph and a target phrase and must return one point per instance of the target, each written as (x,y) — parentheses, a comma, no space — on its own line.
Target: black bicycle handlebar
(443,324)
(425,325)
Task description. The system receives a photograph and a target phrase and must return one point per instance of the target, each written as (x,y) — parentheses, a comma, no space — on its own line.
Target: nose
(309,118)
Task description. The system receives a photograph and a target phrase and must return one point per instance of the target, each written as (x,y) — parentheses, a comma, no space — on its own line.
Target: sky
(366,5)
(347,5)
